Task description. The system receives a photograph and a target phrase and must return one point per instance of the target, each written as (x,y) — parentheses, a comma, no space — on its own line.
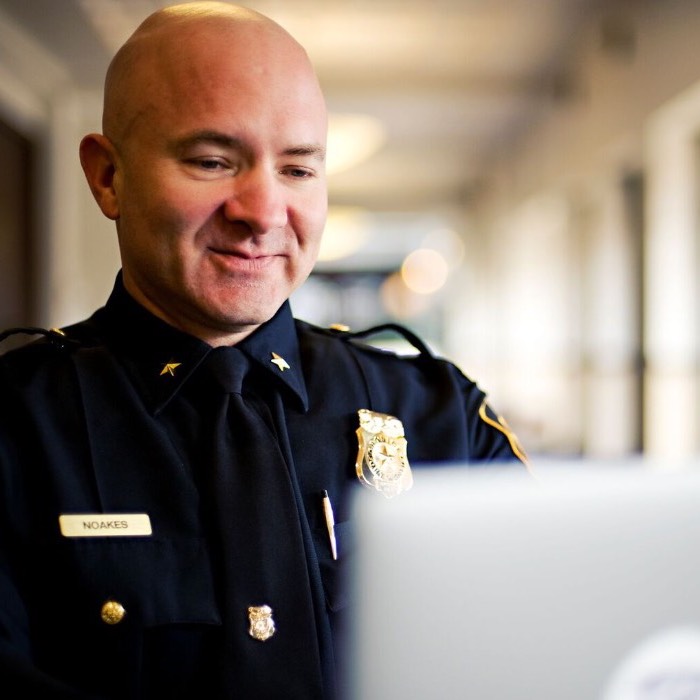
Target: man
(176,471)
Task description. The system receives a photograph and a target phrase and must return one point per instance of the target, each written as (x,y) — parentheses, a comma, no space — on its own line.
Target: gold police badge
(262,626)
(381,462)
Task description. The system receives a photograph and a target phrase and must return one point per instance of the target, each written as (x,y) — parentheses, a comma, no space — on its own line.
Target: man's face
(221,189)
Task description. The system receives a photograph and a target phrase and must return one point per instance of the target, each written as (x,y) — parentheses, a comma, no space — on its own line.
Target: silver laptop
(576,583)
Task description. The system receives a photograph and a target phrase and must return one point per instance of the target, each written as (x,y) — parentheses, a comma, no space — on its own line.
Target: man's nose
(258,199)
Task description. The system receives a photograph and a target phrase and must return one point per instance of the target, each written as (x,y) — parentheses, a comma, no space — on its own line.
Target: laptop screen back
(496,584)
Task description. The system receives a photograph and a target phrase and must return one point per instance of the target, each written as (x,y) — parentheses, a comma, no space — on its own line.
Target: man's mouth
(242,260)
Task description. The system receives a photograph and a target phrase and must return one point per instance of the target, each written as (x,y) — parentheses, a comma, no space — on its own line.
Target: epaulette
(55,336)
(345,333)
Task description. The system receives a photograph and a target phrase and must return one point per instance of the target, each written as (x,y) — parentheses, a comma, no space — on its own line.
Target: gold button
(112,612)
(339,327)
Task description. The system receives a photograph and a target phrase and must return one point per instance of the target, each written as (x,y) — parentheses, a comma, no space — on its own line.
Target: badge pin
(382,462)
(262,626)
(170,368)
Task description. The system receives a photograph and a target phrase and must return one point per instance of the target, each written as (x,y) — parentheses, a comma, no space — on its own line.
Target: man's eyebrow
(310,149)
(215,137)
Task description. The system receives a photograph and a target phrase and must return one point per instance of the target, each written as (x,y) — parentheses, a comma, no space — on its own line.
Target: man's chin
(250,317)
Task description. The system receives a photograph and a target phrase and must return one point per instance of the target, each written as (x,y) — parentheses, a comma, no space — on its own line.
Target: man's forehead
(221,72)
(211,65)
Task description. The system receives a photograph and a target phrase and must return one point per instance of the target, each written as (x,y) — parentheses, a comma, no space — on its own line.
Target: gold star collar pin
(170,368)
(280,362)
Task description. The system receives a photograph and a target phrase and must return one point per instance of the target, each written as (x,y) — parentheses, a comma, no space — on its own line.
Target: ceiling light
(352,139)
(400,301)
(424,271)
(347,229)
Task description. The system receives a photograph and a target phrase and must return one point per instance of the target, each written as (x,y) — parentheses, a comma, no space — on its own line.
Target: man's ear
(99,160)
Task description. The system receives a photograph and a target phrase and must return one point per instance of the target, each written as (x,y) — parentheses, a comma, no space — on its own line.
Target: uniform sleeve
(491,438)
(447,417)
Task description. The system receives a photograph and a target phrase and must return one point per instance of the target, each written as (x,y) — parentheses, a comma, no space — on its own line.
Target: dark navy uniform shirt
(116,417)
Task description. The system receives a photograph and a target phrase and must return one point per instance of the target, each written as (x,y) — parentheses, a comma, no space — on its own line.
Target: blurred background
(516,180)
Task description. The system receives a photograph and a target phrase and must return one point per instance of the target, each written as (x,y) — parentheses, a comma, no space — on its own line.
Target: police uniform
(109,423)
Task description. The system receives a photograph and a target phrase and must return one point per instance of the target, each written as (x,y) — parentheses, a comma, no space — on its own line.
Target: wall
(75,253)
(590,226)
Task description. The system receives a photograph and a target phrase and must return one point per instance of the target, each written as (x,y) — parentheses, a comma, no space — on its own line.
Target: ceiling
(452,81)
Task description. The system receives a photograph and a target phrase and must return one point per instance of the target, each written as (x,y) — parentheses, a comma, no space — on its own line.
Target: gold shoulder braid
(500,424)
(382,463)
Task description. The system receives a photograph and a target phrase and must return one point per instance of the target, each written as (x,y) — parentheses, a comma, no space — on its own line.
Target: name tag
(105,525)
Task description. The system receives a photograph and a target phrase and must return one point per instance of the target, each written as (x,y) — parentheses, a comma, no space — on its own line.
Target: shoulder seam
(348,335)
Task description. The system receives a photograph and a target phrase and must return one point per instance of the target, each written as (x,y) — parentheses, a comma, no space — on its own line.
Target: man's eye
(300,173)
(209,166)
(209,163)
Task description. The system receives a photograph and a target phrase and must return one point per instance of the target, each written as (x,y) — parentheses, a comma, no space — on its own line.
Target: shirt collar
(274,346)
(160,358)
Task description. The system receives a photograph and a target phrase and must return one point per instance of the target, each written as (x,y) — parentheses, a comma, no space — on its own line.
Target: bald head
(212,165)
(175,48)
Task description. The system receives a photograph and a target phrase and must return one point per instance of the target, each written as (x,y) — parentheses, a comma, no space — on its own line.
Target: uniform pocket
(334,572)
(156,581)
(109,613)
